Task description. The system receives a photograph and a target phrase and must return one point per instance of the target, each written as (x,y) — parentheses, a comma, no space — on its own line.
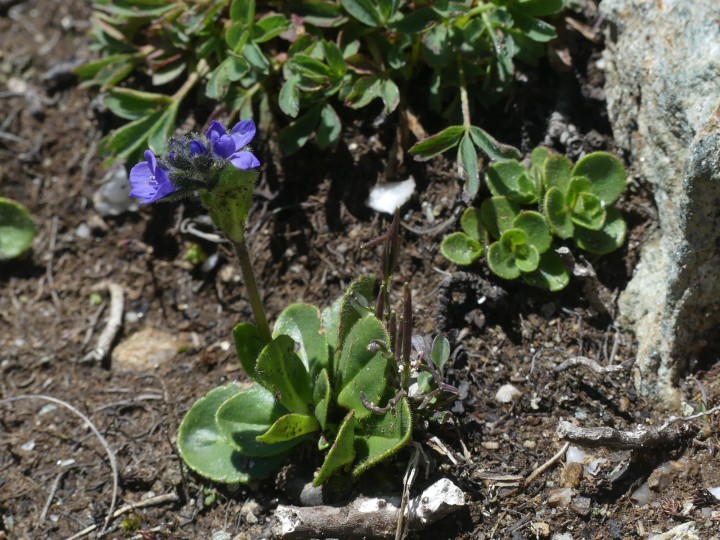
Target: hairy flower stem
(464,101)
(253,294)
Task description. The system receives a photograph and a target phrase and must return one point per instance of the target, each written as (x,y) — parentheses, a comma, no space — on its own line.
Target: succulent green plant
(17,229)
(569,202)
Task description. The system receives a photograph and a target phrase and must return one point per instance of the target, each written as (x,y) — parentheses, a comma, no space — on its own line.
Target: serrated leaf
(282,372)
(206,451)
(459,248)
(379,437)
(356,304)
(362,368)
(498,214)
(609,238)
(302,323)
(17,229)
(536,228)
(557,213)
(490,147)
(248,345)
(551,274)
(341,453)
(606,174)
(289,427)
(468,161)
(245,416)
(438,143)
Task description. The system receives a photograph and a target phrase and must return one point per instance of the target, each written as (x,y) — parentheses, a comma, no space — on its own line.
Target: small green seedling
(17,229)
(568,203)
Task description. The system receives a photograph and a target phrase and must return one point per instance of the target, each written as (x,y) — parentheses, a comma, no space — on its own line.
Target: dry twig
(545,466)
(117,306)
(588,363)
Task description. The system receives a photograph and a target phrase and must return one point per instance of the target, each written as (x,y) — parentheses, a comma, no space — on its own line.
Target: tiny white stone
(507,393)
(386,196)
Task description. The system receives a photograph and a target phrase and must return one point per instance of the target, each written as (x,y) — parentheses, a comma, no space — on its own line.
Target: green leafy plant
(567,202)
(17,229)
(296,64)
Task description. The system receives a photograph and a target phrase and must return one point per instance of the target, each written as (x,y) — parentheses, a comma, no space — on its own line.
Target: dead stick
(545,466)
(117,306)
(588,363)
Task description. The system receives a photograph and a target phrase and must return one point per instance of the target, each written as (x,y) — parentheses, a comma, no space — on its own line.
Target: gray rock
(663,93)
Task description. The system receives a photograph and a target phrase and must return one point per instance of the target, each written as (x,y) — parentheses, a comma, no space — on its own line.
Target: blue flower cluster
(190,163)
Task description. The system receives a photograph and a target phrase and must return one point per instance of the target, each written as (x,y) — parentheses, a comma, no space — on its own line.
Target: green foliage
(297,64)
(348,376)
(569,203)
(17,229)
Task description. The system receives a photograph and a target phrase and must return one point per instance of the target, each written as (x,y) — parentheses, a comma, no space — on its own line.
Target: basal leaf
(269,27)
(125,140)
(282,372)
(362,367)
(341,453)
(302,323)
(534,28)
(472,225)
(498,214)
(289,427)
(356,304)
(206,451)
(331,325)
(245,416)
(538,156)
(322,394)
(510,179)
(163,128)
(437,144)
(436,47)
(363,91)
(551,274)
(609,238)
(527,258)
(536,228)
(255,57)
(557,213)
(17,229)
(502,261)
(289,97)
(459,248)
(378,437)
(390,94)
(606,174)
(539,8)
(248,346)
(588,212)
(294,136)
(557,171)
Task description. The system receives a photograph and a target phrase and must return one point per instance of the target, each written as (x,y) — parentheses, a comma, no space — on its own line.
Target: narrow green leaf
(437,144)
(609,238)
(459,248)
(233,68)
(414,21)
(123,141)
(539,8)
(289,427)
(606,174)
(329,128)
(379,437)
(294,136)
(282,372)
(322,394)
(356,303)
(130,104)
(248,346)
(533,28)
(163,128)
(364,11)
(334,58)
(362,367)
(17,229)
(363,91)
(341,453)
(302,323)
(331,325)
(269,27)
(491,148)
(289,97)
(245,416)
(255,57)
(206,451)
(468,161)
(168,73)
(390,95)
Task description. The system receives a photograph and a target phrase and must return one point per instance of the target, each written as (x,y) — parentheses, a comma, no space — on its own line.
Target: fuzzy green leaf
(527,258)
(606,174)
(341,453)
(437,144)
(17,229)
(356,304)
(472,225)
(331,325)
(125,140)
(588,212)
(379,437)
(557,171)
(322,394)
(501,261)
(439,355)
(493,149)
(498,214)
(289,427)
(245,416)
(468,162)
(248,346)
(255,57)
(557,213)
(302,323)
(551,274)
(282,372)
(206,451)
(362,368)
(510,179)
(538,156)
(609,238)
(536,228)
(459,248)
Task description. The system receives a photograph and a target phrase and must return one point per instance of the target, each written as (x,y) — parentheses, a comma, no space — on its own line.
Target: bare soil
(308,223)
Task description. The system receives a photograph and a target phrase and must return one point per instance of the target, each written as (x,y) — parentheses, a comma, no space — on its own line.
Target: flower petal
(244,160)
(215,131)
(150,158)
(196,147)
(142,181)
(224,146)
(243,133)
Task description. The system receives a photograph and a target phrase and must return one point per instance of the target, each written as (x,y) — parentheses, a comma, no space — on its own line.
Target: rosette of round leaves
(578,200)
(17,229)
(314,378)
(466,246)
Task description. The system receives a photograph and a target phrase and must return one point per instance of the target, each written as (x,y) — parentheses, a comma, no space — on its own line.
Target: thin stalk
(464,100)
(253,294)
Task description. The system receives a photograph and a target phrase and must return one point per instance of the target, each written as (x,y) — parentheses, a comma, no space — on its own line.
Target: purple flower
(149,181)
(229,145)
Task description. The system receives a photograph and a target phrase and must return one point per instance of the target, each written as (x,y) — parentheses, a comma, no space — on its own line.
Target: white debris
(575,455)
(113,196)
(686,531)
(715,492)
(507,393)
(386,196)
